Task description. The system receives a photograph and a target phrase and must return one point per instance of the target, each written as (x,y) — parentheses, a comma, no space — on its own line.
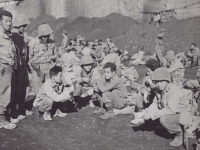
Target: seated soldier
(114,92)
(71,73)
(197,135)
(52,93)
(115,58)
(111,45)
(176,68)
(146,90)
(167,105)
(193,55)
(193,84)
(85,85)
(69,55)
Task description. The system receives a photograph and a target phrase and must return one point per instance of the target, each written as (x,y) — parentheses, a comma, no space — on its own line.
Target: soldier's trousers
(49,105)
(46,104)
(37,81)
(7,80)
(171,123)
(21,85)
(112,99)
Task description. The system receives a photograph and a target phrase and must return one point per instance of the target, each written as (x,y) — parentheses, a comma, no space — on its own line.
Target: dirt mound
(179,35)
(126,33)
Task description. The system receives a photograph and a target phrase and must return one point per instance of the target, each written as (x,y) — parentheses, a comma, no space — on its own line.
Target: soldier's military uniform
(7,66)
(40,60)
(159,49)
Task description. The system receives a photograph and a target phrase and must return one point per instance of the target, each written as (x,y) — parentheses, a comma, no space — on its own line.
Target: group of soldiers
(36,73)
(21,59)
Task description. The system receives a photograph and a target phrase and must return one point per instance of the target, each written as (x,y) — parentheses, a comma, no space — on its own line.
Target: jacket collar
(58,88)
(168,88)
(6,34)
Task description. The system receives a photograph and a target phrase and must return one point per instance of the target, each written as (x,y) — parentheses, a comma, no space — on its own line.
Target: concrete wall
(192,9)
(100,8)
(30,8)
(75,8)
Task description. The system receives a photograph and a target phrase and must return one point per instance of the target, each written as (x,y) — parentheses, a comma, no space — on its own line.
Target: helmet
(163,30)
(170,52)
(125,52)
(170,58)
(161,74)
(20,20)
(44,30)
(160,35)
(86,60)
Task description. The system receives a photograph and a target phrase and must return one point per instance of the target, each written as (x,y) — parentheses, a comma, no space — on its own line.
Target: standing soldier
(40,56)
(159,48)
(7,66)
(20,23)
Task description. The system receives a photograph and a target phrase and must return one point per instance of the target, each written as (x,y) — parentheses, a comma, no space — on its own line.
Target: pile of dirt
(113,25)
(125,32)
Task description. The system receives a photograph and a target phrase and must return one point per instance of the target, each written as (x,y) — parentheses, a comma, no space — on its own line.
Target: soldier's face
(87,68)
(6,23)
(161,85)
(58,78)
(45,38)
(22,28)
(192,47)
(108,73)
(149,71)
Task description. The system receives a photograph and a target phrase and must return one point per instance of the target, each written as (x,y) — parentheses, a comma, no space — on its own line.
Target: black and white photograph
(99,74)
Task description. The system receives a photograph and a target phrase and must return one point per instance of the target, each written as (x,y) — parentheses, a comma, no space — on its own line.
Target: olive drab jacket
(7,49)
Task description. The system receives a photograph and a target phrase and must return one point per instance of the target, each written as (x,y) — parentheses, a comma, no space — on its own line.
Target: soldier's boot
(100,111)
(178,140)
(109,114)
(59,113)
(5,124)
(47,115)
(125,111)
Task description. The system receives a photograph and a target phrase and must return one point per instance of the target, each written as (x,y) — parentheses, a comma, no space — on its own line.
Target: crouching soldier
(167,106)
(114,92)
(52,94)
